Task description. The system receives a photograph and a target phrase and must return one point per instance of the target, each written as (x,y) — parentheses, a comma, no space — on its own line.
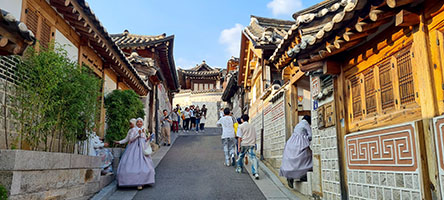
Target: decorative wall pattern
(382,163)
(382,149)
(438,124)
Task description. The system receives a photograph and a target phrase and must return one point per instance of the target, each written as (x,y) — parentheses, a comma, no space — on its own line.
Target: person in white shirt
(228,139)
(247,140)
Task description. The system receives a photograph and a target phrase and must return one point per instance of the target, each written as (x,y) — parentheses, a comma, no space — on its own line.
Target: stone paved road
(193,169)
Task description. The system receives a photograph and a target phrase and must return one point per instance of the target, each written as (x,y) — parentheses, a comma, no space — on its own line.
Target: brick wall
(7,75)
(274,131)
(325,161)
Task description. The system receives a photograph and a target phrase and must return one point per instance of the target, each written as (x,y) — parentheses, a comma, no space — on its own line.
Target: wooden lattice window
(39,25)
(386,85)
(406,86)
(32,20)
(356,97)
(370,91)
(45,35)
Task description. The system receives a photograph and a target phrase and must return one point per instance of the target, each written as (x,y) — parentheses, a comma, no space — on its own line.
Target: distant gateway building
(201,85)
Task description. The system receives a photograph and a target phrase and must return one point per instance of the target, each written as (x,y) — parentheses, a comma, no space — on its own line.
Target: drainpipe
(156,114)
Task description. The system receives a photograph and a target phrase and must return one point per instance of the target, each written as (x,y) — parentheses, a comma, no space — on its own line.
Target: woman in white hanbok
(297,158)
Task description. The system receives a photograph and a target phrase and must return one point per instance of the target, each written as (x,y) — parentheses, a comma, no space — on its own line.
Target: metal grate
(356,97)
(370,92)
(385,81)
(406,87)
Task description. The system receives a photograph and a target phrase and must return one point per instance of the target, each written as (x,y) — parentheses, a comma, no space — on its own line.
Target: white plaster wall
(73,51)
(12,6)
(110,85)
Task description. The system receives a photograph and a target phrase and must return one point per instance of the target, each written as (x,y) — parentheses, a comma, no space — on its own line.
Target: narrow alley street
(193,169)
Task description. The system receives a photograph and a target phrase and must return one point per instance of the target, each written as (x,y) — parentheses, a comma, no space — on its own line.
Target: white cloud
(231,39)
(284,7)
(184,63)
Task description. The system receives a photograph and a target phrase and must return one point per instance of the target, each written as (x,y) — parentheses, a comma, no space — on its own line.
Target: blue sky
(204,29)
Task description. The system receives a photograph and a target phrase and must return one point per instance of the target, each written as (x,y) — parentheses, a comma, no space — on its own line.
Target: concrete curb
(157,157)
(276,181)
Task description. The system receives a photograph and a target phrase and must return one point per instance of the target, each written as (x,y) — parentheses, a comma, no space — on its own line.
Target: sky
(207,30)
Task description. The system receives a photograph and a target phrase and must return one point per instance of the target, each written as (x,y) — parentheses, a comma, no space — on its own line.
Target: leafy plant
(121,106)
(3,193)
(55,100)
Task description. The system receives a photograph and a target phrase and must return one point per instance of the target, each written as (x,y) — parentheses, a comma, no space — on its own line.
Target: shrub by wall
(121,106)
(55,101)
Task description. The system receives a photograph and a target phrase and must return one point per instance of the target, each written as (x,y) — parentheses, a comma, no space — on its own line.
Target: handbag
(148,150)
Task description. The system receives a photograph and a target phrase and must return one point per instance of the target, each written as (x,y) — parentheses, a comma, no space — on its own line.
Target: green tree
(121,106)
(55,100)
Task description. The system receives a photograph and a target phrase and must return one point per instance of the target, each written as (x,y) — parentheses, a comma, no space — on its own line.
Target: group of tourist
(238,139)
(239,135)
(193,118)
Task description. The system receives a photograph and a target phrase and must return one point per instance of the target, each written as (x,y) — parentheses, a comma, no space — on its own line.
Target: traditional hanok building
(269,98)
(73,24)
(201,85)
(376,70)
(233,95)
(153,58)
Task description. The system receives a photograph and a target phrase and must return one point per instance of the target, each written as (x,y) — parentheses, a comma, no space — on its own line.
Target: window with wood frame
(39,25)
(383,88)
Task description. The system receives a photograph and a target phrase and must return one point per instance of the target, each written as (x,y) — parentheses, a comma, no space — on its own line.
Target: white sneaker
(256,176)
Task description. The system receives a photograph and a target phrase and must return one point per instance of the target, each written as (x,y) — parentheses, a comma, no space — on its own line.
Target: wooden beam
(310,67)
(3,41)
(376,14)
(396,3)
(331,67)
(365,26)
(406,18)
(349,36)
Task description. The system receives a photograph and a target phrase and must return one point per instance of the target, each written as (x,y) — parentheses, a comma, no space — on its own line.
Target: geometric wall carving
(385,149)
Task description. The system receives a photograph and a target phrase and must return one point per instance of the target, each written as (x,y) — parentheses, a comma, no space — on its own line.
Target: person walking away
(204,111)
(297,158)
(192,117)
(236,130)
(179,115)
(198,117)
(247,140)
(175,117)
(135,169)
(202,123)
(186,119)
(227,137)
(166,122)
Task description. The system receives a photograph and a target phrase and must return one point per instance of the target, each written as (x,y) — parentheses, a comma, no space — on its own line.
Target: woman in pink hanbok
(135,169)
(297,158)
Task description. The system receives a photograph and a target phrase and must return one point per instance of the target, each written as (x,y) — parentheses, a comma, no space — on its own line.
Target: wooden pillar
(341,130)
(427,100)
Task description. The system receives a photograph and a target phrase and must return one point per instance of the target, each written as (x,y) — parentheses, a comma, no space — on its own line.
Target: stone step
(106,180)
(304,187)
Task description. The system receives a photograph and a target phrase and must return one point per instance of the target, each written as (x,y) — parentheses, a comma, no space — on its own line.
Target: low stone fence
(45,175)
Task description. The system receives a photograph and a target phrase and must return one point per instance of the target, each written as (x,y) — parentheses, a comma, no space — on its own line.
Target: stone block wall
(325,161)
(274,132)
(43,175)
